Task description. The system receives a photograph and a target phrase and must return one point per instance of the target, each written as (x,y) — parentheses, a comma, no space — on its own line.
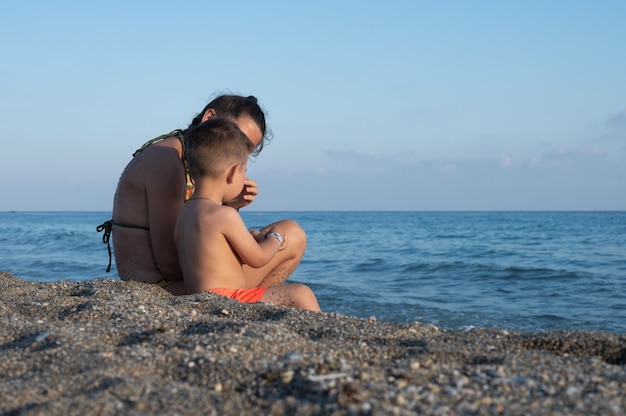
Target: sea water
(530,271)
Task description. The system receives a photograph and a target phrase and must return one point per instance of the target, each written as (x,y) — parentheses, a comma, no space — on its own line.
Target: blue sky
(399,105)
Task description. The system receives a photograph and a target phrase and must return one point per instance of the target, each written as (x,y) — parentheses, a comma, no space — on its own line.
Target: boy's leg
(278,270)
(294,295)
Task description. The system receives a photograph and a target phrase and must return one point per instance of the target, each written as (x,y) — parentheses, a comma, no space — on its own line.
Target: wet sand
(108,347)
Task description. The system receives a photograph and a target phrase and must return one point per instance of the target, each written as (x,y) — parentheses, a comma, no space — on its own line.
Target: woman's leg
(177,288)
(278,270)
(293,295)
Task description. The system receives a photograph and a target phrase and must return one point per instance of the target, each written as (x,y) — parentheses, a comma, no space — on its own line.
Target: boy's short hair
(215,145)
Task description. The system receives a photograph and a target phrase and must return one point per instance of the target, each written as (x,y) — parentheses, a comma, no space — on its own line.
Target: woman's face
(246,125)
(250,129)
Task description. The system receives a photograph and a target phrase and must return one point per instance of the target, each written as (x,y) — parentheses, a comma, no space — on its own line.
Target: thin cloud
(505,161)
(574,159)
(617,119)
(364,161)
(575,154)
(563,178)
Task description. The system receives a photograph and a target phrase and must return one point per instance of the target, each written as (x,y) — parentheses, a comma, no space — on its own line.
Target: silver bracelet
(276,236)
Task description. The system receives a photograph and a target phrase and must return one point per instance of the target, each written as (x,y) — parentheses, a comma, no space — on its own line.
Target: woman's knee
(293,295)
(296,236)
(305,297)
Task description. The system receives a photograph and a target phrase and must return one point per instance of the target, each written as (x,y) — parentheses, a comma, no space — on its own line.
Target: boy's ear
(231,173)
(209,113)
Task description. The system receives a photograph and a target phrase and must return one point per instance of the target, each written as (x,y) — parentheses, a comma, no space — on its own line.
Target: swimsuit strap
(176,132)
(134,227)
(190,188)
(106,227)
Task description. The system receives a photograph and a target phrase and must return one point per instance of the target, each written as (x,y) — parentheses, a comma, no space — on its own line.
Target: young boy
(212,240)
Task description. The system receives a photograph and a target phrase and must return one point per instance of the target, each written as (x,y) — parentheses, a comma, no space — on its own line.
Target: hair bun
(253,98)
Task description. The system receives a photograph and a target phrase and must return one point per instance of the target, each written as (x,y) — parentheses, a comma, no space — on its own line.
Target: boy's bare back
(213,242)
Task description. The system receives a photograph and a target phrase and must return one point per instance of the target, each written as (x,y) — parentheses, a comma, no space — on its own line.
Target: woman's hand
(247,195)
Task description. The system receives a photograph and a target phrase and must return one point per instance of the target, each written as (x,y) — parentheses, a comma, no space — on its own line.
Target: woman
(154,186)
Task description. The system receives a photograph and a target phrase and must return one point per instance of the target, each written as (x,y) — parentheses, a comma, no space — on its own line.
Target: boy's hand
(258,235)
(247,195)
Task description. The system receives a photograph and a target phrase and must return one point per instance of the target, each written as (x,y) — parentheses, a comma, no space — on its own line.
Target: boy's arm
(253,251)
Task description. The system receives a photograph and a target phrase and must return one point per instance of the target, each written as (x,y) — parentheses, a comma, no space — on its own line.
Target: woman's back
(149,194)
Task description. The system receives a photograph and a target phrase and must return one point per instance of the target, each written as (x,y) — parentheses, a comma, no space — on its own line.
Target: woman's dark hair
(234,106)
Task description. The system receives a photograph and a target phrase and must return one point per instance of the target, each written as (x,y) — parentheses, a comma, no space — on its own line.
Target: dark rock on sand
(110,347)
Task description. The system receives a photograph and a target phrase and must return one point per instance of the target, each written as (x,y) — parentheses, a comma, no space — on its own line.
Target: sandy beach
(108,347)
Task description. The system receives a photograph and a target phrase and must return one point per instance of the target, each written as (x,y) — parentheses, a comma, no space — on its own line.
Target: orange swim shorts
(242,295)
